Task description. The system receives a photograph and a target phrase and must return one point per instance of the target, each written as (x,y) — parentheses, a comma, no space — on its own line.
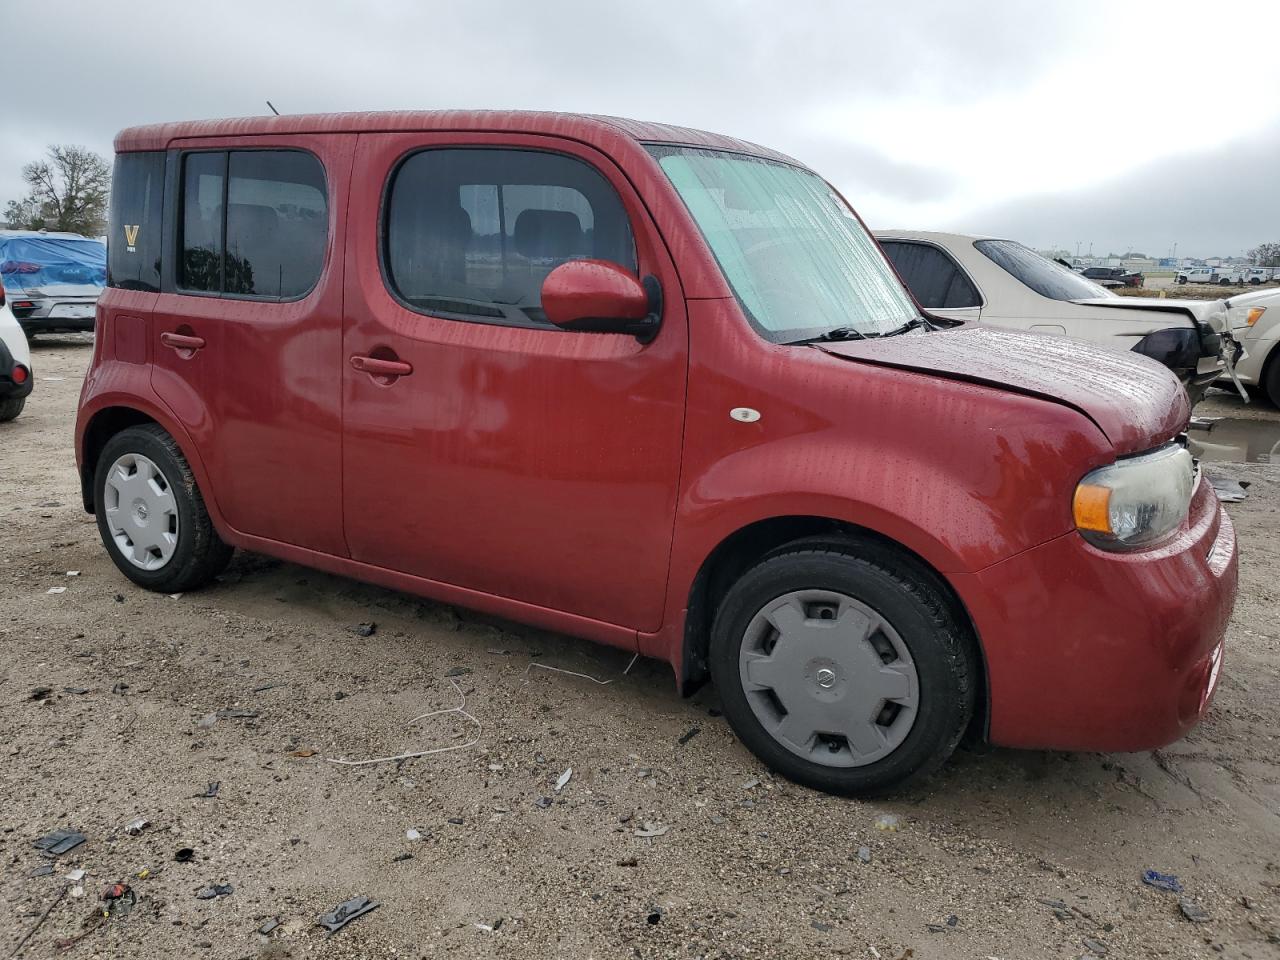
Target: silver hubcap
(829,678)
(141,512)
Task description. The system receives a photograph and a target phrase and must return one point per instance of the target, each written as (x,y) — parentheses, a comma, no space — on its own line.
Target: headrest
(548,233)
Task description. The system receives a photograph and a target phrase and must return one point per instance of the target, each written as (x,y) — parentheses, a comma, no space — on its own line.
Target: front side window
(797,258)
(471,233)
(931,275)
(133,246)
(1045,277)
(254,223)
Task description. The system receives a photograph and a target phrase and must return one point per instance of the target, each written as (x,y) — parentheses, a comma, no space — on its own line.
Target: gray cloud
(1218,201)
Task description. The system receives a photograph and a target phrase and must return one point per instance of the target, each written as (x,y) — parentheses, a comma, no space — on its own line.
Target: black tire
(9,409)
(912,600)
(200,554)
(1271,378)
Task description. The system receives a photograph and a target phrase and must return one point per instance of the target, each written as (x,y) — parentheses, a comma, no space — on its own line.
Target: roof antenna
(273,109)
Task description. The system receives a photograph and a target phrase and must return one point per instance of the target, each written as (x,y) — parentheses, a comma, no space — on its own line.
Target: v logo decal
(131,233)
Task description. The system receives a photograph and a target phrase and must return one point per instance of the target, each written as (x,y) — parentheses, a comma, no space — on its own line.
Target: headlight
(1176,347)
(1135,501)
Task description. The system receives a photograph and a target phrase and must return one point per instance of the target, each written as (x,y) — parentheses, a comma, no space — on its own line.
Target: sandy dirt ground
(1004,854)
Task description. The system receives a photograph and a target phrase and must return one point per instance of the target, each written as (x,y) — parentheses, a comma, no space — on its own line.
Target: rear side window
(1045,277)
(137,193)
(472,233)
(254,223)
(936,280)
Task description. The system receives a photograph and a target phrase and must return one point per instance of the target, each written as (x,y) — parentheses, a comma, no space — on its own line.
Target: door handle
(181,342)
(377,367)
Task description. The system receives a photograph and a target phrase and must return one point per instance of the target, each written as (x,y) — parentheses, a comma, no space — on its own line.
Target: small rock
(401,857)
(652,830)
(412,834)
(543,802)
(887,823)
(135,827)
(207,721)
(214,890)
(689,735)
(1055,904)
(457,671)
(456,821)
(1096,947)
(1193,911)
(363,629)
(864,854)
(820,926)
(41,693)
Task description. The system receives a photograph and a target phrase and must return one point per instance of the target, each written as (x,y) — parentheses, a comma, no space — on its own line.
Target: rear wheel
(9,409)
(842,667)
(151,515)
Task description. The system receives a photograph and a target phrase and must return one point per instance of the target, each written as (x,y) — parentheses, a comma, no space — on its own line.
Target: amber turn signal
(1254,315)
(1091,507)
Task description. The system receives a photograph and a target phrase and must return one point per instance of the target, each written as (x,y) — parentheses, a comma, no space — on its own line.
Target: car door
(247,329)
(484,448)
(935,279)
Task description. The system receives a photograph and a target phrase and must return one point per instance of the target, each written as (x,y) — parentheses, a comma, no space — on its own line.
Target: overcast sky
(1123,125)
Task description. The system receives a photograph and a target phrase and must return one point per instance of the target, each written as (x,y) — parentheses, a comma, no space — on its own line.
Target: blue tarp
(34,264)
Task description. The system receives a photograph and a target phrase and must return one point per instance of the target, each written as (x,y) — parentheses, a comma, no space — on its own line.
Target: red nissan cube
(658,388)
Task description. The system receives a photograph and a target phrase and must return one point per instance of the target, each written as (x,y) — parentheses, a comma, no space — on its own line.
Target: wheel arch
(746,546)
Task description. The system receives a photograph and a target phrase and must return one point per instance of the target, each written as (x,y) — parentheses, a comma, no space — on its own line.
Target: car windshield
(798,259)
(38,263)
(1045,277)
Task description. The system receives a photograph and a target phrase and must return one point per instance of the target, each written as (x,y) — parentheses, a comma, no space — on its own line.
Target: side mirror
(598,296)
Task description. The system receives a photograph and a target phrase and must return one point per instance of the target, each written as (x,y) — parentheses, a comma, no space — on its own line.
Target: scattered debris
(184,855)
(135,827)
(59,842)
(655,916)
(56,590)
(412,834)
(457,671)
(489,927)
(209,791)
(887,823)
(269,926)
(461,710)
(401,857)
(207,721)
(44,870)
(864,854)
(689,735)
(75,690)
(345,912)
(543,802)
(652,829)
(584,676)
(629,862)
(73,573)
(563,779)
(1193,911)
(268,686)
(363,629)
(751,784)
(236,714)
(1096,947)
(1162,881)
(304,753)
(119,898)
(820,926)
(1228,490)
(1055,904)
(39,922)
(120,688)
(456,821)
(77,891)
(41,693)
(215,890)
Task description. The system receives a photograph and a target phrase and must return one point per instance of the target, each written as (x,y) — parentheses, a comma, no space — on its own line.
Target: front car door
(247,328)
(484,448)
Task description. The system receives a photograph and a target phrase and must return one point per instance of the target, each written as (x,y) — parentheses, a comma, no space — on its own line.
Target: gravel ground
(1004,854)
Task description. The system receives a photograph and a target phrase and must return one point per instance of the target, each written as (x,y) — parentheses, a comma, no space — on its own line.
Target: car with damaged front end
(658,388)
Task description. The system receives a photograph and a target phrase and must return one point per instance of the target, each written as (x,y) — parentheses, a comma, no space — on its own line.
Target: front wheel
(842,667)
(151,515)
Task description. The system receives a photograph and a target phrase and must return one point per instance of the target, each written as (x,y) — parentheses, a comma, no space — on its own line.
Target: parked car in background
(1197,275)
(1112,276)
(1259,275)
(1255,321)
(1005,284)
(15,365)
(875,531)
(52,280)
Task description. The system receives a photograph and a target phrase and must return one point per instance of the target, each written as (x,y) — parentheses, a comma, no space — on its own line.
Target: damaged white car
(1005,284)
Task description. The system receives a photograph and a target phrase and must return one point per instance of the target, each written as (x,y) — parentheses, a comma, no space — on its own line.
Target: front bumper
(1092,650)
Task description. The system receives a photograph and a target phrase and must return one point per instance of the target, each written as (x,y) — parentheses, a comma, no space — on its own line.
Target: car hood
(1212,313)
(1135,401)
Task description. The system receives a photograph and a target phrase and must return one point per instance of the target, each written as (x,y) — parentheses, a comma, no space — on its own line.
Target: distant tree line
(1266,254)
(67,191)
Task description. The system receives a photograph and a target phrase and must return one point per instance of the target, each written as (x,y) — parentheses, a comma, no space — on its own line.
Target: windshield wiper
(907,327)
(834,335)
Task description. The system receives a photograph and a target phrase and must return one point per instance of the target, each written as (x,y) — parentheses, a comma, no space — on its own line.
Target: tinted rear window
(133,238)
(931,275)
(254,223)
(1045,277)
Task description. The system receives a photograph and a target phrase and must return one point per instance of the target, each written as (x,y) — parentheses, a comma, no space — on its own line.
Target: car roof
(936,236)
(44,234)
(589,128)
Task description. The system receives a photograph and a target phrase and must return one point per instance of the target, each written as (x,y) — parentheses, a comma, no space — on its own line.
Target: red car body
(595,484)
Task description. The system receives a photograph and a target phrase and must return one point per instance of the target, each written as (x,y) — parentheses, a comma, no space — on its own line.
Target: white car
(15,364)
(1255,322)
(1004,284)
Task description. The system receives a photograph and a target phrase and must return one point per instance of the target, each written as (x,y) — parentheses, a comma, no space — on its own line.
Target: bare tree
(69,191)
(1266,254)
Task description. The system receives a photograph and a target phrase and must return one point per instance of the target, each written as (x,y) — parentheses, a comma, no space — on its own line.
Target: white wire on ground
(460,709)
(584,676)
